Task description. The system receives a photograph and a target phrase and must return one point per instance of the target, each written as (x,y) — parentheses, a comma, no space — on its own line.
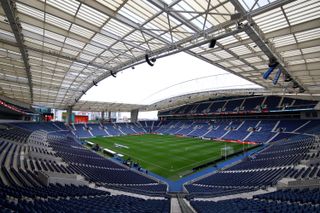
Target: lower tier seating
(251,206)
(105,203)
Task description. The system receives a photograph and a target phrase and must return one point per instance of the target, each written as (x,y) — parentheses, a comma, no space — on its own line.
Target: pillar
(69,115)
(109,116)
(102,115)
(134,115)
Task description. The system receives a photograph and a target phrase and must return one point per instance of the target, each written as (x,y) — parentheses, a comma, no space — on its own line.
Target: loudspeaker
(148,60)
(276,77)
(113,74)
(295,85)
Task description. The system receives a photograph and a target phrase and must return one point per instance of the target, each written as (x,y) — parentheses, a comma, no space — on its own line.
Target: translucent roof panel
(72,45)
(254,4)
(70,6)
(91,15)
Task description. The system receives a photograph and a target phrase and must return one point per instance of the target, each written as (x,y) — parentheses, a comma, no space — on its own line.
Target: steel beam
(177,46)
(257,36)
(59,55)
(164,7)
(9,8)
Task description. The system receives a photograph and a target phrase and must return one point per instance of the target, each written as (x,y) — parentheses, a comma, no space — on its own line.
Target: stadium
(232,86)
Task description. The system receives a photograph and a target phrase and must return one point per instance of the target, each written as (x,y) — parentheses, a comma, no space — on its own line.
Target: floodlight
(277,76)
(272,65)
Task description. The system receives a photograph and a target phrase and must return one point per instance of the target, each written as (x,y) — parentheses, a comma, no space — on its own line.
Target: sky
(170,76)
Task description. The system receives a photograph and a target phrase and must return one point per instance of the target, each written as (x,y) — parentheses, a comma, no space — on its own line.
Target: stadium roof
(53,51)
(96,106)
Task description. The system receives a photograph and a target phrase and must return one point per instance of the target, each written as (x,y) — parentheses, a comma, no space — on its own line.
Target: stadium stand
(262,91)
(96,129)
(30,152)
(26,156)
(252,205)
(241,105)
(264,169)
(82,131)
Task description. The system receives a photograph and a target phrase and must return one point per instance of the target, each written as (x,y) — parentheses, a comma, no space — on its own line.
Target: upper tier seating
(272,103)
(216,107)
(241,105)
(201,108)
(252,104)
(289,103)
(232,105)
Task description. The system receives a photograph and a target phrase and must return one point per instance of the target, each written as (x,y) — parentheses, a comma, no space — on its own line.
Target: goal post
(226,150)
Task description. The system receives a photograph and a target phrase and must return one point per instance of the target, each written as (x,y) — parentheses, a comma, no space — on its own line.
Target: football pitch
(168,156)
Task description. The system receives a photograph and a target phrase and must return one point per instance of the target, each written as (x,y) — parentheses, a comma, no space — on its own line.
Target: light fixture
(287,78)
(113,74)
(235,16)
(212,43)
(239,25)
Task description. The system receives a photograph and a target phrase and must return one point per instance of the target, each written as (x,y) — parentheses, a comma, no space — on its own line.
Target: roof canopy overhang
(96,106)
(53,51)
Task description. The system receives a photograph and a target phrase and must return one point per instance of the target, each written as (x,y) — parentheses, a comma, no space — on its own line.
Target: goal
(226,151)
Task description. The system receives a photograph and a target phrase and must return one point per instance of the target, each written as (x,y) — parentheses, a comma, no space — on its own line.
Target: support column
(69,115)
(102,115)
(134,115)
(109,116)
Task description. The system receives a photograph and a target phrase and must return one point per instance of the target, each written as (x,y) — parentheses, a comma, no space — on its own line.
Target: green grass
(166,155)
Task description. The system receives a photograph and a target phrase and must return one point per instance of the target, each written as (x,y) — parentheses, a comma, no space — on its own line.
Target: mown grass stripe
(166,155)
